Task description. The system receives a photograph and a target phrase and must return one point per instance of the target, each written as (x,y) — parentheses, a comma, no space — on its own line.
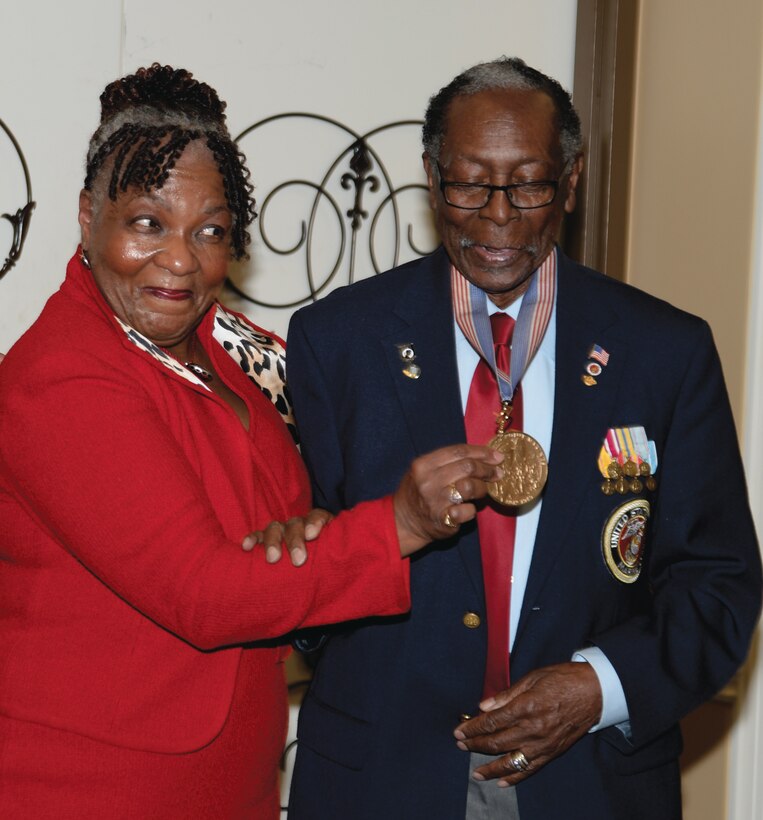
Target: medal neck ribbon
(471,314)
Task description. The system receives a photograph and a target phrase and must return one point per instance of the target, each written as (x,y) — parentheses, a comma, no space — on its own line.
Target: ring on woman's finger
(455,496)
(449,522)
(519,762)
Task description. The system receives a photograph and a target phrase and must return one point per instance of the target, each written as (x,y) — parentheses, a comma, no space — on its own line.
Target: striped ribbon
(623,444)
(470,311)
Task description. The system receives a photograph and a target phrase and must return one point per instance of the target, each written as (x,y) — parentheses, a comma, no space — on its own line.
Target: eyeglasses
(472,196)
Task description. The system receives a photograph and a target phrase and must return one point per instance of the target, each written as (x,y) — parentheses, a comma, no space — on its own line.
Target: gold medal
(614,470)
(630,468)
(525,469)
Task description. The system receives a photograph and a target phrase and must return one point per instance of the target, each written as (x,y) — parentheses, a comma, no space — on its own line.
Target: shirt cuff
(614,709)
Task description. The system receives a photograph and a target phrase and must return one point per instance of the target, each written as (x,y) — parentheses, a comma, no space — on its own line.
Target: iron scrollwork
(20,219)
(373,198)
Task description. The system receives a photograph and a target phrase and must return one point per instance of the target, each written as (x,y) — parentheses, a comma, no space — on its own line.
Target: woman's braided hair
(147,120)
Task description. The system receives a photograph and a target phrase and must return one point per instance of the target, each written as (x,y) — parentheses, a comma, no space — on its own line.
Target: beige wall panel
(696,116)
(704,761)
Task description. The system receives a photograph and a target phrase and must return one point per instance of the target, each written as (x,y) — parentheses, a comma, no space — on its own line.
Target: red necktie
(495,523)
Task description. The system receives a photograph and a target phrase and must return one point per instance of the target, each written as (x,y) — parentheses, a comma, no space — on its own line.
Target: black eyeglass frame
(491,189)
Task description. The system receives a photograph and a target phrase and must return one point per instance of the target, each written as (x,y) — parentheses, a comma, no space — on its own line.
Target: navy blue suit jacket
(375,733)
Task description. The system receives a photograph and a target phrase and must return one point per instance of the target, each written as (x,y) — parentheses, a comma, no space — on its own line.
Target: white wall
(363,64)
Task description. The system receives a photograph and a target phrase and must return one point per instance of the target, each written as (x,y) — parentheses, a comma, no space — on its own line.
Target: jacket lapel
(431,403)
(582,415)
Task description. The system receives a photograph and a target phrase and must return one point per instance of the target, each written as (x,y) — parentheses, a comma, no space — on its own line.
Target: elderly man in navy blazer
(613,582)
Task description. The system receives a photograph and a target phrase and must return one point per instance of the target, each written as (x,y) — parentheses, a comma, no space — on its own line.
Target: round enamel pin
(593,369)
(622,541)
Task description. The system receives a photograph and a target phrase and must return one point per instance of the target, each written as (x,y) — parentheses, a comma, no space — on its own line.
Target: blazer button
(464,717)
(471,620)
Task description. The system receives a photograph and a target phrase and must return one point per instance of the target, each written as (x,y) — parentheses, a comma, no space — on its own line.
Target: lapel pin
(593,369)
(599,354)
(408,358)
(597,361)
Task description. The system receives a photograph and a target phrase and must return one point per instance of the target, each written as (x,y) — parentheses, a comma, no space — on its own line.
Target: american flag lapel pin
(598,358)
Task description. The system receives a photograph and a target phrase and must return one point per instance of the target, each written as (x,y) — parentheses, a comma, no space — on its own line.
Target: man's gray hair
(505,72)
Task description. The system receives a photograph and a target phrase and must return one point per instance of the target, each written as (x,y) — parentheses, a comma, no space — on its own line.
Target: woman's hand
(295,533)
(433,498)
(431,502)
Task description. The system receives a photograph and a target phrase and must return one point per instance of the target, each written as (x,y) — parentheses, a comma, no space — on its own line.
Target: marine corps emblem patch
(622,540)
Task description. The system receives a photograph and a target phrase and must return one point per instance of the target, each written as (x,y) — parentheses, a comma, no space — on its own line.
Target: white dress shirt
(538,418)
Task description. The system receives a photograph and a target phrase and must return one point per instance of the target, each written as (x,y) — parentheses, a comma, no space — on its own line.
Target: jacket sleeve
(321,445)
(95,472)
(704,571)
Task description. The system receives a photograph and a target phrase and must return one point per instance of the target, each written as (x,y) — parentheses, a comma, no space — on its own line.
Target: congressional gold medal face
(525,469)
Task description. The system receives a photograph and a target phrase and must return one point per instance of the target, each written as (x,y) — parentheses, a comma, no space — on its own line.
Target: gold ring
(519,762)
(449,522)
(455,496)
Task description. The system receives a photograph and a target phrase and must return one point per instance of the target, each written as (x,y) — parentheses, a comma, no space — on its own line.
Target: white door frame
(745,795)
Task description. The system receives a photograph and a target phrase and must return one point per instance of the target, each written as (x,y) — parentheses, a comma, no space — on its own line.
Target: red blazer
(125,492)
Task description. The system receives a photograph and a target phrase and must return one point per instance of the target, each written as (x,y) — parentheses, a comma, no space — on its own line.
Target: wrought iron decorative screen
(331,210)
(12,167)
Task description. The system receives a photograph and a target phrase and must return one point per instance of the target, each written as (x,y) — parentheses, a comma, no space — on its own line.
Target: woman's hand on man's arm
(432,501)
(294,533)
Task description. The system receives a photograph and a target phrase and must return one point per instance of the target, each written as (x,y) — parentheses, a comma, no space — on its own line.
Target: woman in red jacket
(145,430)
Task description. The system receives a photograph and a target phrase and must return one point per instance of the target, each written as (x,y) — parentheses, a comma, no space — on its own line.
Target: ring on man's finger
(519,762)
(449,522)
(455,496)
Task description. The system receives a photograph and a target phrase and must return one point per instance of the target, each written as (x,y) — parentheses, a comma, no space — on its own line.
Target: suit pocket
(624,758)
(332,734)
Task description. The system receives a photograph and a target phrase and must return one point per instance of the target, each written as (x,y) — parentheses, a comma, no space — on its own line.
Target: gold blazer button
(471,620)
